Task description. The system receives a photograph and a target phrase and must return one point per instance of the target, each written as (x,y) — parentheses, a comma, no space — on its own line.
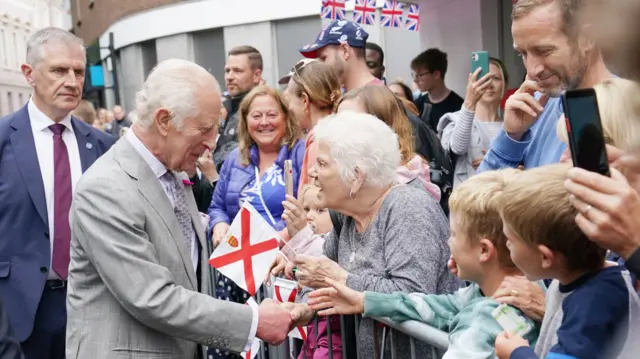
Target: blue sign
(96,74)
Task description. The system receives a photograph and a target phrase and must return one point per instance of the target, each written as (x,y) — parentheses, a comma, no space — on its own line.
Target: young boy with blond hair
(478,246)
(589,303)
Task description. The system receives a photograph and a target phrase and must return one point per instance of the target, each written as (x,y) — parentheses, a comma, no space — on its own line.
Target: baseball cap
(336,33)
(297,67)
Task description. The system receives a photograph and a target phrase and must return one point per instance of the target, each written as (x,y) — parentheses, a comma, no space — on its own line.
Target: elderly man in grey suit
(138,278)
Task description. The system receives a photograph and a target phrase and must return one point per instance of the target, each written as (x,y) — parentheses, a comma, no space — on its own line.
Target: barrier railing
(349,329)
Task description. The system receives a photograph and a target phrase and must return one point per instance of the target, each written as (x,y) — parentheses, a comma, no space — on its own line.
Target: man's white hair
(45,36)
(175,85)
(358,140)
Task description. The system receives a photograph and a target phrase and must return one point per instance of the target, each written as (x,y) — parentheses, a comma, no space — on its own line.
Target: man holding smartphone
(558,56)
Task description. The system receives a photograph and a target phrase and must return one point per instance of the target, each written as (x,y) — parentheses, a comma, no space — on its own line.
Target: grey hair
(175,85)
(45,36)
(358,140)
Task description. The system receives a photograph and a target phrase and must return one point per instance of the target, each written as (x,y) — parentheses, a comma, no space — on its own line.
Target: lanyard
(264,205)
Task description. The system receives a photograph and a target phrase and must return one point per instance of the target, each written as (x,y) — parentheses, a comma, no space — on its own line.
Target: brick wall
(96,20)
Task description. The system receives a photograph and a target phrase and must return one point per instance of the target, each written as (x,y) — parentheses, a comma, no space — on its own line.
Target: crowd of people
(407,203)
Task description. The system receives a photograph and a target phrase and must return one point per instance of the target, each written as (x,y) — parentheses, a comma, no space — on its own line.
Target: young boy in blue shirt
(589,303)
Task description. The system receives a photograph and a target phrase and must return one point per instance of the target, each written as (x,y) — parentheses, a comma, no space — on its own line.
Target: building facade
(18,20)
(148,31)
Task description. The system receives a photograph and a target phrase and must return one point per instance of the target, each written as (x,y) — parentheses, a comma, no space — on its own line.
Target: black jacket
(228,140)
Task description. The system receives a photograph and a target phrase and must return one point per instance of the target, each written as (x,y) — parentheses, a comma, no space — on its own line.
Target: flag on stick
(247,251)
(286,291)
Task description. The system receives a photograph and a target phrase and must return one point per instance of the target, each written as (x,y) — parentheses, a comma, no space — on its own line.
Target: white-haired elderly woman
(393,237)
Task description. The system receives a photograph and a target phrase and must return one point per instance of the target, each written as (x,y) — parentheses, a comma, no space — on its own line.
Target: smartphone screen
(585,131)
(288,177)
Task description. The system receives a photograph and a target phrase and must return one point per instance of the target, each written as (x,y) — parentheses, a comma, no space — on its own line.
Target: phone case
(480,59)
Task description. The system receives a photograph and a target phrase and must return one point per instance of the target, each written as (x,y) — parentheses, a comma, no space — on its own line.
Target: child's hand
(293,215)
(337,299)
(506,344)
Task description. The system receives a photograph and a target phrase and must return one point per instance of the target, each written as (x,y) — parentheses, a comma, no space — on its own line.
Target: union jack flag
(365,12)
(413,18)
(391,15)
(333,9)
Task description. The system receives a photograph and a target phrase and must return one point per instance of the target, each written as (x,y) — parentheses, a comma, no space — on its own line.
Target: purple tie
(62,192)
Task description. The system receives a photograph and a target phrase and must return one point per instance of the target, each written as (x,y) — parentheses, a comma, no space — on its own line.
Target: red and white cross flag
(255,346)
(286,291)
(247,251)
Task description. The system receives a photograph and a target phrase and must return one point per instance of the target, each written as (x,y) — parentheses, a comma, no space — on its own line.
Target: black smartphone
(584,130)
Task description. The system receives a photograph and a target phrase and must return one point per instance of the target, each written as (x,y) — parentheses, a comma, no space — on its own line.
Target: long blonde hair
(245,142)
(619,104)
(379,101)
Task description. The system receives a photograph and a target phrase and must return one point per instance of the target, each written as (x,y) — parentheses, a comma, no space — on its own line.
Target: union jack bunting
(365,12)
(333,9)
(391,15)
(413,18)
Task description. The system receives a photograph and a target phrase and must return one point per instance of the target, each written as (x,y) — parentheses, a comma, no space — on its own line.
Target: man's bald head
(178,86)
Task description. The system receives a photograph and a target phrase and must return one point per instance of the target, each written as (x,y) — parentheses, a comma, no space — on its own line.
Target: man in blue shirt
(558,56)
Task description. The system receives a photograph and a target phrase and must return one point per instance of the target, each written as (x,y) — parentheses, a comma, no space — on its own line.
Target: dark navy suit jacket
(24,230)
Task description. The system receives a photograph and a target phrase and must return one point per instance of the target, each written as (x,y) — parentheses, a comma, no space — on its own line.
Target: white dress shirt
(159,170)
(43,139)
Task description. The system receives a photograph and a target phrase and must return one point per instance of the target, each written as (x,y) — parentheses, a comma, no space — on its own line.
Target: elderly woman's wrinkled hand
(337,299)
(294,215)
(608,209)
(523,294)
(313,271)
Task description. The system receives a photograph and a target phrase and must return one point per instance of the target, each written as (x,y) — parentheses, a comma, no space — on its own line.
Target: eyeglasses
(417,77)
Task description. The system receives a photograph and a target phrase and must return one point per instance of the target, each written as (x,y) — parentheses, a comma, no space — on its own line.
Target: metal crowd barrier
(349,328)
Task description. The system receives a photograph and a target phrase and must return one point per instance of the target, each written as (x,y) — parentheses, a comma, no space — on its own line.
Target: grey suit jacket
(132,290)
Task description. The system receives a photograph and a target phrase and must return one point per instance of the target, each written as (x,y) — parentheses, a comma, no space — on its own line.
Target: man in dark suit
(43,153)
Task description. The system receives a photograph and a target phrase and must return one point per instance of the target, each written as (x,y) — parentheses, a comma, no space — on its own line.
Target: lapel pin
(89,146)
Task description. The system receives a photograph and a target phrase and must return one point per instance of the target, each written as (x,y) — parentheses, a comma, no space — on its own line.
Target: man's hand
(522,110)
(338,299)
(274,322)
(506,344)
(293,215)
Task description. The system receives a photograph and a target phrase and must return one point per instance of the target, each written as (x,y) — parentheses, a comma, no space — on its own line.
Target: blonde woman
(312,93)
(254,172)
(467,134)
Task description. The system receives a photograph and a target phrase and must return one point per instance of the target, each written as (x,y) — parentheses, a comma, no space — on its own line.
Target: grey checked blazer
(132,288)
